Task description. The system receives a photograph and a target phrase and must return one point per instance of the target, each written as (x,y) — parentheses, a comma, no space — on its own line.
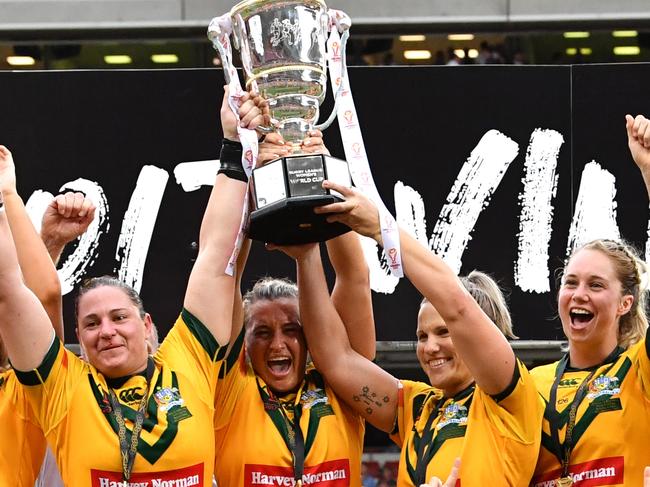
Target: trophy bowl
(282,45)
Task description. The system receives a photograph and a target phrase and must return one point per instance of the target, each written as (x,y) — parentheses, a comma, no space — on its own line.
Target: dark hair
(268,289)
(629,270)
(111,281)
(487,293)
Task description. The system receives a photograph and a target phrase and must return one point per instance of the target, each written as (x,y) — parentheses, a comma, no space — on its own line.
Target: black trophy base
(293,221)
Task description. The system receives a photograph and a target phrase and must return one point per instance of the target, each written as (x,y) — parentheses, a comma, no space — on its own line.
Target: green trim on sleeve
(204,336)
(39,375)
(516,375)
(233,354)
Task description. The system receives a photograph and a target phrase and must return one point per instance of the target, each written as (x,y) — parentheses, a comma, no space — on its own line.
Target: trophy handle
(344,72)
(219,32)
(264,129)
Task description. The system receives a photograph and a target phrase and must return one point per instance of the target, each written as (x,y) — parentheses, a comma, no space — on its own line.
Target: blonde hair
(630,270)
(487,293)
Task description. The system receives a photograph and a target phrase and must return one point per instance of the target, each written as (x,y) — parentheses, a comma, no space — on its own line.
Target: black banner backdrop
(420,125)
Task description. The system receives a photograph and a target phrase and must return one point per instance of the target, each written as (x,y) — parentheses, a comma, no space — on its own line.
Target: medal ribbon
(355,151)
(294,439)
(563,450)
(128,451)
(219,33)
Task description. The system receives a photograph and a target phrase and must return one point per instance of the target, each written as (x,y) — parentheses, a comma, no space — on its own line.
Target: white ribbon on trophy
(355,151)
(248,138)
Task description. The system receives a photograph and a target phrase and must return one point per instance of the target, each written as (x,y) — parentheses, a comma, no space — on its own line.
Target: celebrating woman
(481,404)
(597,397)
(278,421)
(125,417)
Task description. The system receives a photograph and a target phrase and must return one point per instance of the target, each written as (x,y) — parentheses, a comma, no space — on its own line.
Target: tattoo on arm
(370,399)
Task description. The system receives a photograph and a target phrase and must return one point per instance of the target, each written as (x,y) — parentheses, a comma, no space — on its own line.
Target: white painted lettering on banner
(595,210)
(540,185)
(138,224)
(476,182)
(479,177)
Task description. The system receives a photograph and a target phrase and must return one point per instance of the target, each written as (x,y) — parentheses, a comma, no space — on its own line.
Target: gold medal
(564,482)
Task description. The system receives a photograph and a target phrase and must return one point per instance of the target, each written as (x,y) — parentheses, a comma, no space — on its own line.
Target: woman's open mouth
(580,317)
(279,366)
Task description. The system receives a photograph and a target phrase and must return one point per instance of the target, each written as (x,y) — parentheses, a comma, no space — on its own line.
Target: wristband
(230,161)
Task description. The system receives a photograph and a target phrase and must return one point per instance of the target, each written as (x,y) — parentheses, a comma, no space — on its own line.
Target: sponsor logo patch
(569,383)
(130,396)
(604,471)
(184,477)
(335,473)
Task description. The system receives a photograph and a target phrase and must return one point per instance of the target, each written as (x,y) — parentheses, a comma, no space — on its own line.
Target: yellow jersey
(612,421)
(176,447)
(22,444)
(496,437)
(255,438)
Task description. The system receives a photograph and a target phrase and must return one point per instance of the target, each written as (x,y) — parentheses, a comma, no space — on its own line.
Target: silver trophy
(282,45)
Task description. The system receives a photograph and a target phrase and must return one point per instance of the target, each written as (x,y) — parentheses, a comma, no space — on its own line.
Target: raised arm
(351,295)
(66,218)
(363,385)
(480,343)
(638,139)
(24,325)
(210,291)
(238,303)
(37,268)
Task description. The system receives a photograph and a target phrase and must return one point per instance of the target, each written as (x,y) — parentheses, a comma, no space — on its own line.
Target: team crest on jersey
(604,386)
(317,400)
(310,398)
(453,414)
(169,399)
